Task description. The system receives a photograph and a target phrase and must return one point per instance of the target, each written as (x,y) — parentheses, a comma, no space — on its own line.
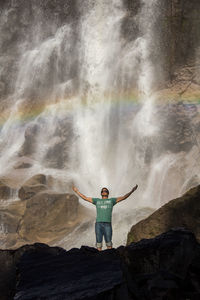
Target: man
(104,206)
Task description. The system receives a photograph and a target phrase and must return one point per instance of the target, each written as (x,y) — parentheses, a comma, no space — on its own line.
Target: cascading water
(70,100)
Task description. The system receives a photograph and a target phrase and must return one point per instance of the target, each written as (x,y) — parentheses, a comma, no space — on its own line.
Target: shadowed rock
(166,267)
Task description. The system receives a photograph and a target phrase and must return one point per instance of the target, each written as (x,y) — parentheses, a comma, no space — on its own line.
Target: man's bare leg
(109,247)
(99,249)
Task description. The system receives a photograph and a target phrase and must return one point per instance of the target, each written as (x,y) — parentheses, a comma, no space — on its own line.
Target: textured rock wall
(177,40)
(177,33)
(23,23)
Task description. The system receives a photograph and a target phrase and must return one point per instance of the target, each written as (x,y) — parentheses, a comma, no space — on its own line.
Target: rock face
(41,214)
(10,218)
(180,212)
(185,118)
(49,215)
(176,46)
(183,30)
(166,267)
(179,128)
(32,187)
(5,191)
(181,26)
(16,29)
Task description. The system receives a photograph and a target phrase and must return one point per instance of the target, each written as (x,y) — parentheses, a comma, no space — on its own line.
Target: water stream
(72,117)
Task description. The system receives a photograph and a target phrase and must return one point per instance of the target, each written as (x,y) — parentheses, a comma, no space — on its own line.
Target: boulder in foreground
(181,212)
(165,268)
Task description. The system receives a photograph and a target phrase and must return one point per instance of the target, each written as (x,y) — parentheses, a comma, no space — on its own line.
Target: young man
(104,206)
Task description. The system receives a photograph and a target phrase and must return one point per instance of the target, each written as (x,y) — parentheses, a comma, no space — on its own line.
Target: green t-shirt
(104,208)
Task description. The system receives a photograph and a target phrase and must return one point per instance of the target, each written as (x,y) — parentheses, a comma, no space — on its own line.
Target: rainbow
(29,110)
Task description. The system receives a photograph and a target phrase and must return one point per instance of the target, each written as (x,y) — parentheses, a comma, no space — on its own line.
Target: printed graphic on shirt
(104,208)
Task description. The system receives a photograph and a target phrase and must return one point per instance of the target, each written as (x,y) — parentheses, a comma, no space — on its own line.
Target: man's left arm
(127,195)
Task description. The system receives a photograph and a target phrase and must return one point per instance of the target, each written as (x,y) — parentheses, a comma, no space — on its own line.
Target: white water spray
(110,136)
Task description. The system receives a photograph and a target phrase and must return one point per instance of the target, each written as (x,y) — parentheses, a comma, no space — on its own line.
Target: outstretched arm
(127,195)
(89,199)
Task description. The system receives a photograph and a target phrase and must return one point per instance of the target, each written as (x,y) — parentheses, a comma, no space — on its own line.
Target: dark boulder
(165,268)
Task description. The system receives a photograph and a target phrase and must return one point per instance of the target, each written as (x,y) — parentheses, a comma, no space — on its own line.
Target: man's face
(104,192)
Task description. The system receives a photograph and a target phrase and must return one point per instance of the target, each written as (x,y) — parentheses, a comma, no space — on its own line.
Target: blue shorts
(103,229)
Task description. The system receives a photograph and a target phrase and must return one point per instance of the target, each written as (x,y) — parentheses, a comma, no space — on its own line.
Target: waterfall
(82,108)
(94,143)
(106,131)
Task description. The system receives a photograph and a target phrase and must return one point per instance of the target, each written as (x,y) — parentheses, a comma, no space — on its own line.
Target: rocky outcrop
(59,146)
(48,216)
(41,214)
(33,186)
(30,140)
(23,163)
(10,218)
(5,191)
(166,267)
(180,212)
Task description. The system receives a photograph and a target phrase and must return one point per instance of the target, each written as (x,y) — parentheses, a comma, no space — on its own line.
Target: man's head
(104,192)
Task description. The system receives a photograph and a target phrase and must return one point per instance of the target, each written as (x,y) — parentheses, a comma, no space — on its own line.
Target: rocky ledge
(166,267)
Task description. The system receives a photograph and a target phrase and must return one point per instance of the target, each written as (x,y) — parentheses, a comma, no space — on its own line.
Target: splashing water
(104,142)
(71,92)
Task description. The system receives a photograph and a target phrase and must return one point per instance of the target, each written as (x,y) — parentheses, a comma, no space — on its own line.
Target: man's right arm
(89,199)
(127,195)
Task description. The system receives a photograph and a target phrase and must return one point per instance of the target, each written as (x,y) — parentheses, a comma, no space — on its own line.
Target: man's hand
(75,189)
(135,188)
(127,195)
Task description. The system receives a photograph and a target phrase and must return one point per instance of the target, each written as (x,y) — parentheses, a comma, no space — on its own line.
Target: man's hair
(104,188)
